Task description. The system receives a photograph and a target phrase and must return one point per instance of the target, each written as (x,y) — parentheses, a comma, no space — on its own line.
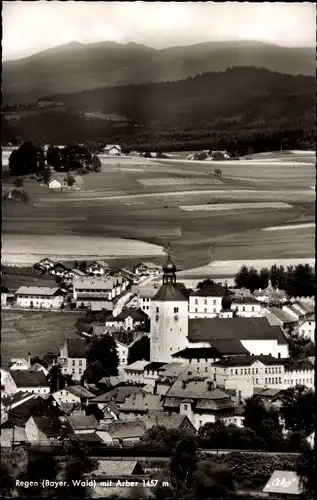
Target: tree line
(297,281)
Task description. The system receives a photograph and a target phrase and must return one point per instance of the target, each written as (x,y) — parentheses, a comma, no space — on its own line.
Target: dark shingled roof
(80,422)
(136,314)
(77,348)
(169,293)
(25,378)
(248,360)
(213,290)
(210,329)
(155,365)
(197,352)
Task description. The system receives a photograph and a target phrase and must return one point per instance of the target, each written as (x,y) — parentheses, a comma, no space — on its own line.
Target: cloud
(29,27)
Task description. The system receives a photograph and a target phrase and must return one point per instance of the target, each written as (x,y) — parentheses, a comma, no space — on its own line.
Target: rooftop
(52,426)
(154,366)
(44,291)
(136,314)
(81,422)
(137,365)
(169,293)
(196,388)
(117,395)
(248,361)
(124,429)
(77,348)
(142,402)
(210,329)
(80,391)
(281,315)
(197,353)
(25,378)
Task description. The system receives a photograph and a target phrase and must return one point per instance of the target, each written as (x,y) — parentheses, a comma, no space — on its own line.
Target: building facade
(39,297)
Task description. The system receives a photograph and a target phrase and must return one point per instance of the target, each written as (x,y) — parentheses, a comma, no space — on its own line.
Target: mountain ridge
(76,66)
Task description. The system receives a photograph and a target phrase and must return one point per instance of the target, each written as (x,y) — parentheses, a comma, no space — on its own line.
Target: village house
(307,327)
(73,394)
(147,269)
(199,400)
(170,373)
(247,307)
(134,372)
(123,351)
(26,381)
(151,372)
(40,297)
(112,150)
(109,383)
(156,418)
(62,271)
(299,371)
(7,298)
(138,405)
(128,319)
(37,367)
(20,363)
(133,302)
(55,184)
(82,424)
(44,265)
(145,294)
(207,302)
(47,430)
(98,268)
(21,406)
(73,358)
(122,432)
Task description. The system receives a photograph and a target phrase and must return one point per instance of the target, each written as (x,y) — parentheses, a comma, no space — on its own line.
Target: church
(173,329)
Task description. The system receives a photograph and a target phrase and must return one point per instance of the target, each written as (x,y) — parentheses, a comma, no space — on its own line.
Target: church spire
(169,269)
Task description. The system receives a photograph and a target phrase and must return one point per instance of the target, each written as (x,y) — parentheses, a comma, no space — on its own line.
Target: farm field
(133,199)
(35,332)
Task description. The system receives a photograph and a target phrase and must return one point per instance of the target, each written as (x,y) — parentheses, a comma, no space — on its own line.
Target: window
(256,380)
(205,310)
(200,423)
(196,301)
(175,309)
(243,308)
(269,380)
(245,371)
(252,309)
(185,407)
(73,362)
(249,371)
(197,360)
(276,380)
(206,369)
(252,371)
(280,370)
(241,371)
(236,372)
(157,309)
(214,302)
(265,370)
(205,302)
(256,370)
(231,372)
(80,362)
(215,310)
(156,318)
(196,310)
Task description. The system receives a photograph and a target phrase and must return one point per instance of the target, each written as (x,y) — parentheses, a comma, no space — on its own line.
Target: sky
(33,26)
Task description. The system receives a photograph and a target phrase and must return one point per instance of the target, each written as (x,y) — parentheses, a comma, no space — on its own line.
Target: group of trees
(30,158)
(297,281)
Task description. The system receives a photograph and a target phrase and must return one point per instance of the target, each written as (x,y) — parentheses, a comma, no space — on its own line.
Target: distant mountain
(75,66)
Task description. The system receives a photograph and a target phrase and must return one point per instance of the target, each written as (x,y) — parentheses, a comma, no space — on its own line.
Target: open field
(35,332)
(140,204)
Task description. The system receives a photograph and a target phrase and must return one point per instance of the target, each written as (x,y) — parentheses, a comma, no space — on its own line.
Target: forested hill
(75,66)
(242,95)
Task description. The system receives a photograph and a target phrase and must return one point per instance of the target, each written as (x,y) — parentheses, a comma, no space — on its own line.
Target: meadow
(35,332)
(142,199)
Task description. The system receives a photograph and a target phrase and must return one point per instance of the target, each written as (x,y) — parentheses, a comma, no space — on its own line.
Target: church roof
(210,329)
(169,293)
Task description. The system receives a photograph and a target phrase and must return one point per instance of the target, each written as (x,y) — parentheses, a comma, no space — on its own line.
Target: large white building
(169,317)
(73,358)
(207,301)
(39,297)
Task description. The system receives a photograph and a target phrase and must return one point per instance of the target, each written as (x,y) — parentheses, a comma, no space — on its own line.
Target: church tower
(169,317)
(226,311)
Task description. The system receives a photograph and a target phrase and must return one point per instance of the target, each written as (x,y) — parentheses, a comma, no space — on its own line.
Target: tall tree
(139,350)
(102,359)
(298,409)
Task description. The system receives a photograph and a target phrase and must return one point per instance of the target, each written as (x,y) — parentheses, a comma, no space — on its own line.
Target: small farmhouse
(147,269)
(55,184)
(112,150)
